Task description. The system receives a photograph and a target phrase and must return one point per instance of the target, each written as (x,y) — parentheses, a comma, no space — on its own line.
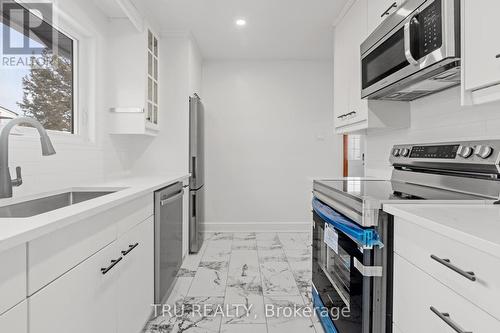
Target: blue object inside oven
(325,320)
(365,237)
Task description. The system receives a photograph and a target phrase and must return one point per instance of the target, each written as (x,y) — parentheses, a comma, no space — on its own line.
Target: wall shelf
(131,121)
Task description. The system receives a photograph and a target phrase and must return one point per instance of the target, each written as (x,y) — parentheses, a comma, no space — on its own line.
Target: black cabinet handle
(346,114)
(446,318)
(497,56)
(447,262)
(387,12)
(113,264)
(130,248)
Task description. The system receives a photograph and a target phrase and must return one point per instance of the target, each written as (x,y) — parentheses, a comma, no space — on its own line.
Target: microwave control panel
(430,21)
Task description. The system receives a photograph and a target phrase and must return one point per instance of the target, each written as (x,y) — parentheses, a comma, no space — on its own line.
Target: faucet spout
(6,181)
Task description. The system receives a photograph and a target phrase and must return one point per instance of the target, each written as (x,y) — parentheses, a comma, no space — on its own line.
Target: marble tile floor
(235,277)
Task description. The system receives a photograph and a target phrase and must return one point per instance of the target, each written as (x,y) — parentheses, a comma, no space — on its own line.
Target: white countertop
(16,231)
(477,226)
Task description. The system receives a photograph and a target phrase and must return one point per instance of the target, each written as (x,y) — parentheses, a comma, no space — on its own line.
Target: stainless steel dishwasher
(168,238)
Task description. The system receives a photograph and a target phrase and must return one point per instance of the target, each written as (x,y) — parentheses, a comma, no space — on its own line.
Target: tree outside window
(37,85)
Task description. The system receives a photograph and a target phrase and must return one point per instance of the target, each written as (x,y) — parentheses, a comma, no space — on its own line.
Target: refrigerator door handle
(193,212)
(172,198)
(193,167)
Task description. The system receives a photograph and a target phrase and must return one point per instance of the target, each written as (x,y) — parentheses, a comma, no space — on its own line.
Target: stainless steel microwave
(414,52)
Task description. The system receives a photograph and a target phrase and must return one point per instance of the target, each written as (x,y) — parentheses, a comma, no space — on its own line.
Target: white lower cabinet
(441,257)
(81,301)
(16,319)
(12,277)
(136,278)
(112,291)
(422,304)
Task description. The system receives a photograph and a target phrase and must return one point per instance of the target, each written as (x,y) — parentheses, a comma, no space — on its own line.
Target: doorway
(354,155)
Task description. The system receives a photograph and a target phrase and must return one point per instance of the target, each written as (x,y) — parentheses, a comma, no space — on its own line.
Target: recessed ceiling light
(241,22)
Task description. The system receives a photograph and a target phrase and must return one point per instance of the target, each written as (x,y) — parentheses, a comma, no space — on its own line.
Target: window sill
(57,137)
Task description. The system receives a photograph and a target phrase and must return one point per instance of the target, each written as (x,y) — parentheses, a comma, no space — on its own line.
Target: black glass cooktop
(386,190)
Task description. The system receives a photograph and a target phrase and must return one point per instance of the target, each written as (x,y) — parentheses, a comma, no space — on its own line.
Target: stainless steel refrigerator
(196,168)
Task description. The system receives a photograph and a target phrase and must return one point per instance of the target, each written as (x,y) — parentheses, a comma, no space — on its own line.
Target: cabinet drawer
(417,245)
(15,320)
(136,281)
(81,301)
(415,292)
(54,254)
(12,277)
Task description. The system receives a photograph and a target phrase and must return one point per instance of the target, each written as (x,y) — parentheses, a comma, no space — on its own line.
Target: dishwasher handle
(172,198)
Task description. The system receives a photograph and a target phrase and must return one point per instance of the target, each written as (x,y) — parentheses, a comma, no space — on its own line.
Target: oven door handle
(407,40)
(368,271)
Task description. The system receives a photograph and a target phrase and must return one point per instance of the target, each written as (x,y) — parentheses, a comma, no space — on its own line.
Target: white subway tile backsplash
(436,118)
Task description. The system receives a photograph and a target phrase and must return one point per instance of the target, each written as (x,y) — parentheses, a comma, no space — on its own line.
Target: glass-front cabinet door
(152,77)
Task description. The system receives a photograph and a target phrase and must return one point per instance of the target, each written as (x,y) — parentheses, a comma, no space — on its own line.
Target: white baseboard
(258,227)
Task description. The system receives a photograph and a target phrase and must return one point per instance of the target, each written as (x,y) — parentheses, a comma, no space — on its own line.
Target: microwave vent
(449,76)
(407,96)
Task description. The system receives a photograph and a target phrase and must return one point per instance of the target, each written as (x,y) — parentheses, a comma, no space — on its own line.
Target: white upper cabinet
(352,113)
(135,59)
(481,50)
(379,10)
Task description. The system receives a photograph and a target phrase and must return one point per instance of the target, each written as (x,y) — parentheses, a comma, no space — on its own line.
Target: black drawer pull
(447,262)
(130,248)
(497,56)
(446,318)
(113,264)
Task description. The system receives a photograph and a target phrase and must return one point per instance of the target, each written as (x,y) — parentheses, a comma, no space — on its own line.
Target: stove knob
(483,151)
(396,152)
(405,152)
(465,151)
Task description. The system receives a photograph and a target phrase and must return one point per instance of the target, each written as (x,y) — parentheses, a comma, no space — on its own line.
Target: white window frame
(84,49)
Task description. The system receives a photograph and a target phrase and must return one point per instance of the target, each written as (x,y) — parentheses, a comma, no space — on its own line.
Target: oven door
(343,297)
(427,37)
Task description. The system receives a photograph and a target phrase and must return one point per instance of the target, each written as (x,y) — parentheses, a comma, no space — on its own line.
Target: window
(38,68)
(355,153)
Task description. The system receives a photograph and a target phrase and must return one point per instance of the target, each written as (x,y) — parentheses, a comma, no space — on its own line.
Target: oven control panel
(446,152)
(470,152)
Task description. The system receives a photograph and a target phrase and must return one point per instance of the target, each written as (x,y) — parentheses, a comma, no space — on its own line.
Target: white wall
(269,130)
(434,118)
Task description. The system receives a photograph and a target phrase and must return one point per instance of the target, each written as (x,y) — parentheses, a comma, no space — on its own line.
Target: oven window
(388,58)
(339,269)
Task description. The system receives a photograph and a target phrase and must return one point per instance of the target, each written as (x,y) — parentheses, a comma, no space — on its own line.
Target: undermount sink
(49,203)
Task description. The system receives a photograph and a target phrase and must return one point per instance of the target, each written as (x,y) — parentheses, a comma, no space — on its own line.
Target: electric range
(353,236)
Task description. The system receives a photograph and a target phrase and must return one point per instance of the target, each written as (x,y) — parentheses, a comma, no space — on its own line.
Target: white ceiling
(276,29)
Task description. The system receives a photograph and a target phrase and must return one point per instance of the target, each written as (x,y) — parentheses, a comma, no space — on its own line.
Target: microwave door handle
(407,37)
